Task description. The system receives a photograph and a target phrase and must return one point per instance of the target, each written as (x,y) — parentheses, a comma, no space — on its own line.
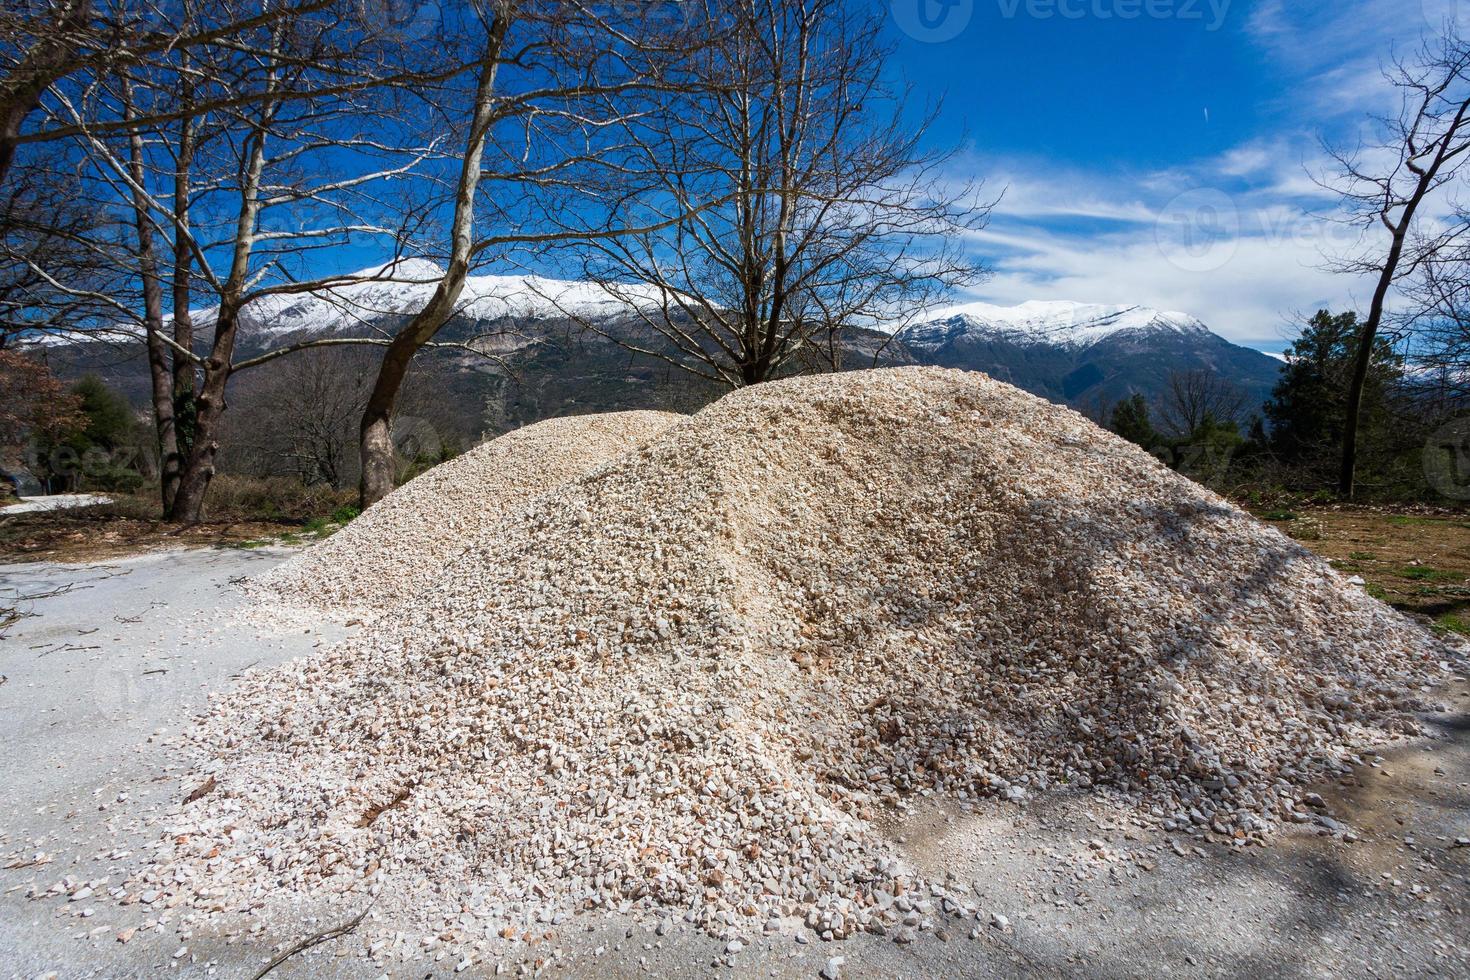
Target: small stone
(833,967)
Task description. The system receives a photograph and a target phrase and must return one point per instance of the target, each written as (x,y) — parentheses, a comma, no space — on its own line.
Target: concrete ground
(58,501)
(109,659)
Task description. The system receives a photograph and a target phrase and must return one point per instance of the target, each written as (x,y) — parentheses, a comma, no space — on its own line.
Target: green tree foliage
(1307,410)
(1131,421)
(109,418)
(98,451)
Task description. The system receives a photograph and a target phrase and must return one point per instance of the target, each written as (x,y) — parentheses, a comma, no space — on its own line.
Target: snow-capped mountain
(360,299)
(1048,322)
(1087,355)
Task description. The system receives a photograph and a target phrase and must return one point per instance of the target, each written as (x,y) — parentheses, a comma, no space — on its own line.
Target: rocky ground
(105,667)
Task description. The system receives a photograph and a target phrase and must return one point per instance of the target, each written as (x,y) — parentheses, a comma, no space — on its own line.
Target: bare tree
(161,376)
(1437,315)
(248,192)
(42,42)
(830,215)
(592,68)
(1423,150)
(52,232)
(300,419)
(45,43)
(375,437)
(1194,399)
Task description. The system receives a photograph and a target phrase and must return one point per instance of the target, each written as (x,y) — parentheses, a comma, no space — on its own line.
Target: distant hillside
(546,365)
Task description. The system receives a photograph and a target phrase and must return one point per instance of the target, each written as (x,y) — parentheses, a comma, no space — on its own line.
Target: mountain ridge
(1063,323)
(1089,356)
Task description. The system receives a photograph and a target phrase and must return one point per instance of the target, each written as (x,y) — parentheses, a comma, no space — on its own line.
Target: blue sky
(1160,152)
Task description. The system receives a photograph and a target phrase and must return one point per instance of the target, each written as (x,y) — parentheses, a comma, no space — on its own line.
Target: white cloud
(1240,240)
(1234,240)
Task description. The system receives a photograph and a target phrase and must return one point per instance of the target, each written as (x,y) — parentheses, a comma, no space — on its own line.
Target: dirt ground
(90,534)
(1417,562)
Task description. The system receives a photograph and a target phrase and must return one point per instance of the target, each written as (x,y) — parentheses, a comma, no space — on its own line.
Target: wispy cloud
(1242,239)
(1236,240)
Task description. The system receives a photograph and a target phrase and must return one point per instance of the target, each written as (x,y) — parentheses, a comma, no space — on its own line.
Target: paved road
(111,657)
(125,652)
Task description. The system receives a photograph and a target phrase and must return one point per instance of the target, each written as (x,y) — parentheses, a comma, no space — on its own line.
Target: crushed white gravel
(696,680)
(394,548)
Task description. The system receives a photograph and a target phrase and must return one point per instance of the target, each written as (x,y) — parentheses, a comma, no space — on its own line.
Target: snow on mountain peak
(1056,323)
(402,288)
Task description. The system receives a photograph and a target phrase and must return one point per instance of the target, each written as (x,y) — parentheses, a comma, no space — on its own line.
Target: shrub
(278,499)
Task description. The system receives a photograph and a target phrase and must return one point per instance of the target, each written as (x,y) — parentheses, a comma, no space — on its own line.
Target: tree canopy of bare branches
(245,158)
(789,197)
(531,137)
(1386,189)
(1200,397)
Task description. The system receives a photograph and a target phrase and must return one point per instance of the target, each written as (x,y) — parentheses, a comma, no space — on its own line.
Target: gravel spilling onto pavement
(398,545)
(697,679)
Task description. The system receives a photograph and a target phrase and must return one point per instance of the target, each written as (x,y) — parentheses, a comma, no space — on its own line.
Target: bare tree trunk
(209,405)
(198,468)
(158,354)
(1427,145)
(183,367)
(1367,338)
(376,434)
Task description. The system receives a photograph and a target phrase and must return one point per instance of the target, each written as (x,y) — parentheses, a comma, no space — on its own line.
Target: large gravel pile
(396,547)
(698,678)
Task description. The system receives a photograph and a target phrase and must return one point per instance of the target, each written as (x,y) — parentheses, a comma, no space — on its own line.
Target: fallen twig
(314,939)
(67,648)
